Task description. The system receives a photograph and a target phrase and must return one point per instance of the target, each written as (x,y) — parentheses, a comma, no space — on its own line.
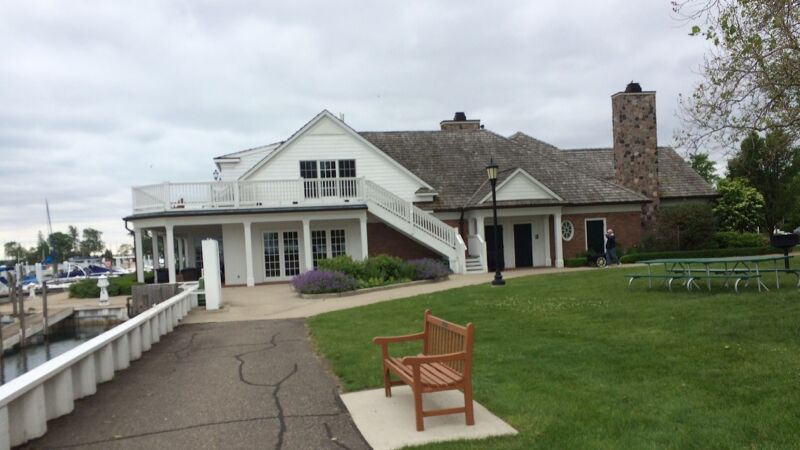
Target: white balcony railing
(246,194)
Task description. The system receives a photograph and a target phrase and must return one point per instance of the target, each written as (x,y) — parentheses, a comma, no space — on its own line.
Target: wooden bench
(445,364)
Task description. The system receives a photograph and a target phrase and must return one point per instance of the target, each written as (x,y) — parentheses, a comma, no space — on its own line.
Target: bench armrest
(383,340)
(423,359)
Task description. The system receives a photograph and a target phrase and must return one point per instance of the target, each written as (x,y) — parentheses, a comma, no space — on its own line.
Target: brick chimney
(459,123)
(635,145)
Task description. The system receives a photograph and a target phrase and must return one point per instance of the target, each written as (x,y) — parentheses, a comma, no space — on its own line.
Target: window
(327,169)
(272,258)
(319,246)
(308,170)
(567,230)
(291,253)
(338,246)
(347,169)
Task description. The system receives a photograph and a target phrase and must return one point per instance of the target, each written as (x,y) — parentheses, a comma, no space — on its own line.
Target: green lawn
(578,361)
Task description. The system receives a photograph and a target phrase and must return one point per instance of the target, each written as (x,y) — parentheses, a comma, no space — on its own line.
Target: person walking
(611,248)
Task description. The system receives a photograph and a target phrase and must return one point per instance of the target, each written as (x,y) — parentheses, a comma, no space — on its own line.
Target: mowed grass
(578,361)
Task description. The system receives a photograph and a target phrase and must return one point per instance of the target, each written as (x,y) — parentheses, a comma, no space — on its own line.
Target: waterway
(18,361)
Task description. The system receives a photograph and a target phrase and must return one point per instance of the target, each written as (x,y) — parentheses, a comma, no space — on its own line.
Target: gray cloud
(98,96)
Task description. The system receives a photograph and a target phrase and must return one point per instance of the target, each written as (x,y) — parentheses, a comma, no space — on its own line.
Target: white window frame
(561,231)
(281,256)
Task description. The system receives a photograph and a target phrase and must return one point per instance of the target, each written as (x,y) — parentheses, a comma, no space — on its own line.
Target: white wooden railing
(418,219)
(50,390)
(245,194)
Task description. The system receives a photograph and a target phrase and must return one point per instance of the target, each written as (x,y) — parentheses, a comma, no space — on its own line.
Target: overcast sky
(98,96)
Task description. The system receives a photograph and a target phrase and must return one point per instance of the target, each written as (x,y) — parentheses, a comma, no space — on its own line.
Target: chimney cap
(633,87)
(460,117)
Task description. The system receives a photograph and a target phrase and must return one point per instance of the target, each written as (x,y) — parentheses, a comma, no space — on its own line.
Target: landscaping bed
(344,275)
(576,360)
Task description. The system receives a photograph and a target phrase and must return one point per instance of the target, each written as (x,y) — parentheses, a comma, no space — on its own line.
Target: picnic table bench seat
(444,364)
(691,277)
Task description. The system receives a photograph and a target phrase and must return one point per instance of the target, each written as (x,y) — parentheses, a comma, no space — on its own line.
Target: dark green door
(595,236)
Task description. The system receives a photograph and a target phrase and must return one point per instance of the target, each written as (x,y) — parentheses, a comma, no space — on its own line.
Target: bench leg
(418,409)
(387,382)
(468,411)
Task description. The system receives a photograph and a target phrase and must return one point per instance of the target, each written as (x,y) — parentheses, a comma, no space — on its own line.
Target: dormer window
(328,171)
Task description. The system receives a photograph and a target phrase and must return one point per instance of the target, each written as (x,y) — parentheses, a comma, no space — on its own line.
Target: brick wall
(383,239)
(626,225)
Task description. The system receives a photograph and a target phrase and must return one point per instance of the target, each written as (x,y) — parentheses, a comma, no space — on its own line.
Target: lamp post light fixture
(216,175)
(491,172)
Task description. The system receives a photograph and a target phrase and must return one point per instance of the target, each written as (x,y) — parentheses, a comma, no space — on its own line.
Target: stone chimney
(635,145)
(459,123)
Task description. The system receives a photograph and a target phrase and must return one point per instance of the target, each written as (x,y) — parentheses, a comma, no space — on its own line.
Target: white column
(210,275)
(180,254)
(137,237)
(155,256)
(307,256)
(548,261)
(479,224)
(191,256)
(364,237)
(559,240)
(169,253)
(248,254)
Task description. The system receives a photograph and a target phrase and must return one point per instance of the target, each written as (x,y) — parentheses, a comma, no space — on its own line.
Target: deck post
(364,237)
(137,237)
(155,257)
(248,253)
(307,255)
(180,254)
(169,253)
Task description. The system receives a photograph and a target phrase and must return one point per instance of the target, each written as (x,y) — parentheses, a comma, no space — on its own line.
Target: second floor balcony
(247,194)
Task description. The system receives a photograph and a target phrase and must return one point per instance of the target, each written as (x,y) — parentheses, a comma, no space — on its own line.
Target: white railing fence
(248,194)
(50,390)
(417,218)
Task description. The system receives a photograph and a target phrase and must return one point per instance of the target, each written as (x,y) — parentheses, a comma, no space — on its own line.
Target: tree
(704,166)
(686,226)
(14,251)
(73,233)
(771,166)
(62,245)
(739,206)
(92,242)
(108,255)
(125,249)
(751,76)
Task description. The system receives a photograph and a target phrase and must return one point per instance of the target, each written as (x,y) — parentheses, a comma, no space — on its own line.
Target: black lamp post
(491,172)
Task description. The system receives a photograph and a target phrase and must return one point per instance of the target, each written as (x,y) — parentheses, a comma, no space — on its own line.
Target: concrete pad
(389,423)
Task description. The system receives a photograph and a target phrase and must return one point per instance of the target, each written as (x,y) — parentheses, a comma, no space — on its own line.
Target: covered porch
(254,248)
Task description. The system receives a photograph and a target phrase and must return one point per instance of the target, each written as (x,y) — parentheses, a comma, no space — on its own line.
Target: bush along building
(329,190)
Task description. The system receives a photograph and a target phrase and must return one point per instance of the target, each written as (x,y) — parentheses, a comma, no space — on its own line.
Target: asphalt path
(253,384)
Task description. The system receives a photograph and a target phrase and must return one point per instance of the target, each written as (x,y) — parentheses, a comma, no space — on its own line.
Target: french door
(281,254)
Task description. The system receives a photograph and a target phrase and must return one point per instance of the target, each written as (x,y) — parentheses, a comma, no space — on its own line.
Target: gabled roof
(507,177)
(326,114)
(454,163)
(240,153)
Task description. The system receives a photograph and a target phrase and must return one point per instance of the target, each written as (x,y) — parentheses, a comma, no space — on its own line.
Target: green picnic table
(734,269)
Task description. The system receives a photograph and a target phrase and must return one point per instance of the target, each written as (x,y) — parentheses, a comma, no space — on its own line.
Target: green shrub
(732,239)
(375,271)
(708,253)
(343,264)
(116,286)
(387,268)
(576,262)
(688,226)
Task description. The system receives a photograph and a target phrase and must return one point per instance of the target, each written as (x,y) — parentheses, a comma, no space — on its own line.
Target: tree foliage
(739,206)
(771,165)
(704,166)
(751,76)
(62,245)
(92,242)
(13,250)
(687,226)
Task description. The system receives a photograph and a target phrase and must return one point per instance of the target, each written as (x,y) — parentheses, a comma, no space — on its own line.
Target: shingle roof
(454,163)
(676,177)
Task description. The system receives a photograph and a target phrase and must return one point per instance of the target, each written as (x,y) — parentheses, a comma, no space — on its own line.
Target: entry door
(281,254)
(595,236)
(490,246)
(523,245)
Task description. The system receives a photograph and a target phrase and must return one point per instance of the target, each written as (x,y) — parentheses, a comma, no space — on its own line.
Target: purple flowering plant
(323,281)
(429,269)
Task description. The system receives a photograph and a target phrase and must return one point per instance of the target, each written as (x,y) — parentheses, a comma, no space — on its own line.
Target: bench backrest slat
(442,337)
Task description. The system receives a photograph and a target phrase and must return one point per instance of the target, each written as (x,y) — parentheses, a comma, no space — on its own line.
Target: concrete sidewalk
(279,301)
(237,385)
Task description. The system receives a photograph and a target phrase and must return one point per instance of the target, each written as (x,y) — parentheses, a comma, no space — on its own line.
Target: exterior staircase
(416,223)
(474,264)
